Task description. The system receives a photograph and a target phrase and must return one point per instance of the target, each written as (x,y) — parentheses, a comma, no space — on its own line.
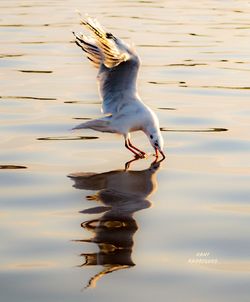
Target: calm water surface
(74,225)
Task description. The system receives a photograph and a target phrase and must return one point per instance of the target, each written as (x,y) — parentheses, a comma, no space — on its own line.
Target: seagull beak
(156,153)
(163,155)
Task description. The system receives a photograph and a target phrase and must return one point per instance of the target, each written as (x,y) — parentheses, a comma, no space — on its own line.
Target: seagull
(124,111)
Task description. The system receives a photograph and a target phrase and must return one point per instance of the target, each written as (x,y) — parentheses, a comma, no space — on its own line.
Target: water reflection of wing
(115,200)
(122,193)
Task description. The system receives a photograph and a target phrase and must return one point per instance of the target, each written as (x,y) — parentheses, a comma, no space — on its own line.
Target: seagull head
(156,141)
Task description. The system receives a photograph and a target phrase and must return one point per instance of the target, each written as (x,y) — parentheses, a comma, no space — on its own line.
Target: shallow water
(74,225)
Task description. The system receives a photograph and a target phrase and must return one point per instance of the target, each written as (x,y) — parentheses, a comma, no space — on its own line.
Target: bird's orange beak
(156,153)
(162,154)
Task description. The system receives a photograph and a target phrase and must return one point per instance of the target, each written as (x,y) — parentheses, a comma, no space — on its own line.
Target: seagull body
(118,66)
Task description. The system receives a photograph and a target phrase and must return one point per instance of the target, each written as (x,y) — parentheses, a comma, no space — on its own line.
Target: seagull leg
(142,153)
(132,150)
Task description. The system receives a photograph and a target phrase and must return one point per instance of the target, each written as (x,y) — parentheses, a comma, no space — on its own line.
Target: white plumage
(118,66)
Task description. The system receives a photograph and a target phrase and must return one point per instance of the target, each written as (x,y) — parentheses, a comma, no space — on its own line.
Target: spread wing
(118,65)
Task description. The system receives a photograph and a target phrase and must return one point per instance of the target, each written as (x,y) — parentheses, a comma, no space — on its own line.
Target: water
(74,225)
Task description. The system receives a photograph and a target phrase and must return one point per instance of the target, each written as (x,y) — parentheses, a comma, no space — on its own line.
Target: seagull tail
(102,125)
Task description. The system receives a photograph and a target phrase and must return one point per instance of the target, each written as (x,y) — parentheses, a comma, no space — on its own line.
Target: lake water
(74,225)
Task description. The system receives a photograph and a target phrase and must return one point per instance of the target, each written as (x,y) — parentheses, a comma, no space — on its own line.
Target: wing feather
(88,45)
(113,55)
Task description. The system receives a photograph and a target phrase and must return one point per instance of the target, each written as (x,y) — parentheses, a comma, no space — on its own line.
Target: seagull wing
(88,44)
(118,65)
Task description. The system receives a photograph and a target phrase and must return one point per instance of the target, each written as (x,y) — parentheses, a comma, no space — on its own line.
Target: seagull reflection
(120,193)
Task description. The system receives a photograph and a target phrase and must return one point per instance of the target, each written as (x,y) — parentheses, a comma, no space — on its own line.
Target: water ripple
(195,130)
(66,138)
(11,167)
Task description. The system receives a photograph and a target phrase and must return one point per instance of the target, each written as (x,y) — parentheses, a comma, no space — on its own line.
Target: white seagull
(118,66)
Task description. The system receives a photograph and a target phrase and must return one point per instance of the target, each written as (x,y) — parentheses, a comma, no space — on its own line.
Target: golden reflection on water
(121,193)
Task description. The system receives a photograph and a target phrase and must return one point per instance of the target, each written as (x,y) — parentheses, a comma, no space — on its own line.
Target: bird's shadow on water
(121,193)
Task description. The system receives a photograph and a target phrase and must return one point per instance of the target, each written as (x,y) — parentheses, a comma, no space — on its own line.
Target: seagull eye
(109,36)
(151,136)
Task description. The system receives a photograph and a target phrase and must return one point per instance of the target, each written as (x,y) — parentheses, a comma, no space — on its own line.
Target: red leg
(130,149)
(132,146)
